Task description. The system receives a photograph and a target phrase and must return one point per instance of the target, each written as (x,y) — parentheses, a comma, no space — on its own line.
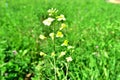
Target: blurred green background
(93,28)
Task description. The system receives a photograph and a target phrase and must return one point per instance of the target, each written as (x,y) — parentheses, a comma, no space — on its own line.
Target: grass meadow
(91,40)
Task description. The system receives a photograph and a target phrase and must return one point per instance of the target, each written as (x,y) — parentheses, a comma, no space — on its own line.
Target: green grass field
(93,28)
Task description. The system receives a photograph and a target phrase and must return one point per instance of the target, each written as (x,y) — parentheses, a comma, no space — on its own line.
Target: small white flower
(14,52)
(69,59)
(62,53)
(96,54)
(42,54)
(42,37)
(48,21)
(52,35)
(70,47)
(61,17)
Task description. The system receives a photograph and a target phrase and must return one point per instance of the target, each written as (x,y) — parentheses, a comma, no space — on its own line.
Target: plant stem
(55,68)
(67,66)
(54,52)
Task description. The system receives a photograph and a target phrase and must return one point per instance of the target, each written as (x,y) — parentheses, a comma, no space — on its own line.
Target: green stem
(67,66)
(55,68)
(54,52)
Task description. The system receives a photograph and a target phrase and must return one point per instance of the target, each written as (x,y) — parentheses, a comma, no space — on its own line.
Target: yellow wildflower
(65,43)
(52,35)
(69,59)
(48,21)
(42,54)
(62,53)
(59,34)
(63,25)
(53,54)
(42,37)
(61,17)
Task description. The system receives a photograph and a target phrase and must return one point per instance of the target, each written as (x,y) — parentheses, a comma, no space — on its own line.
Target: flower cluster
(57,33)
(48,21)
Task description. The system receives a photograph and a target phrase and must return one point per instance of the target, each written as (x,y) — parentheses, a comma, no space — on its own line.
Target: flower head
(52,35)
(52,11)
(62,53)
(48,21)
(61,17)
(63,25)
(53,54)
(70,47)
(14,52)
(65,43)
(42,54)
(42,37)
(69,59)
(59,34)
